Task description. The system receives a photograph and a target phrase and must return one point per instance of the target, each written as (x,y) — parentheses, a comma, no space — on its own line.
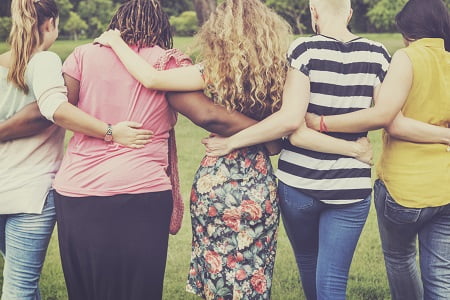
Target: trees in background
(185,24)
(296,12)
(75,25)
(87,18)
(204,8)
(382,14)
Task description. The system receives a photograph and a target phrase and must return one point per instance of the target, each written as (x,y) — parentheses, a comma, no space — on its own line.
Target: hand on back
(130,134)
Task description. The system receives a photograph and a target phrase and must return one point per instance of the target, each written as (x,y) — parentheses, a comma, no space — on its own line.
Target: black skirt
(114,248)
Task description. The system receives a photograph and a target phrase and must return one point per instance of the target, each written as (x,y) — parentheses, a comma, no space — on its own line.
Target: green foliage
(382,15)
(75,25)
(359,19)
(295,12)
(176,7)
(368,15)
(185,24)
(5,27)
(97,14)
(65,7)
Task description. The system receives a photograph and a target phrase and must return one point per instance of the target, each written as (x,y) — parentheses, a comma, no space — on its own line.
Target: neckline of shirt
(429,42)
(334,39)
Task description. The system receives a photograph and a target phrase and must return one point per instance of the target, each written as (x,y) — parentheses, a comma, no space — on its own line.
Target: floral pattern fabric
(235,217)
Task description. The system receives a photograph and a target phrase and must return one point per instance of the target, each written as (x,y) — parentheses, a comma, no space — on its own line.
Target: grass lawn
(367,275)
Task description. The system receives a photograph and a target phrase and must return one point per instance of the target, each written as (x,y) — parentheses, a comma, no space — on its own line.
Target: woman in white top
(29,73)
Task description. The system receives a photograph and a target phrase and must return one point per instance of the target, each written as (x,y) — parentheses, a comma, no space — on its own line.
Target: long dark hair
(25,36)
(424,19)
(143,23)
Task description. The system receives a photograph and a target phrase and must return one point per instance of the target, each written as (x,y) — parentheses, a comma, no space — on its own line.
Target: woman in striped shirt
(412,192)
(325,198)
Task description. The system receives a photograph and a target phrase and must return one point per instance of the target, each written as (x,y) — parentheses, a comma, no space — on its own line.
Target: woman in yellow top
(412,194)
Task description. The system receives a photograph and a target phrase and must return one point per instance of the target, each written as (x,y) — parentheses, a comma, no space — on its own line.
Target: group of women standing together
(116,189)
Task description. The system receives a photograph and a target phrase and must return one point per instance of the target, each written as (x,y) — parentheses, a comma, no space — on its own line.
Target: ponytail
(25,37)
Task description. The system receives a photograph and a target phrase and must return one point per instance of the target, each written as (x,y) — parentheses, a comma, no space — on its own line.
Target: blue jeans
(399,228)
(24,240)
(323,237)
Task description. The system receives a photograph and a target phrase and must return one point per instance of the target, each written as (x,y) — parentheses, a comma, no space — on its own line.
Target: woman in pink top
(31,150)
(114,204)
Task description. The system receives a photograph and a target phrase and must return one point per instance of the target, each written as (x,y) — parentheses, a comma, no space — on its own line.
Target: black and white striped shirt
(342,77)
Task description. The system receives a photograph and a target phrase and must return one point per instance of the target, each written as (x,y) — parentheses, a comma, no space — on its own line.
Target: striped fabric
(343,77)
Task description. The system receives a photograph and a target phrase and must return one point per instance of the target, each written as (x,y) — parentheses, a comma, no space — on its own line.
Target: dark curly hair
(143,23)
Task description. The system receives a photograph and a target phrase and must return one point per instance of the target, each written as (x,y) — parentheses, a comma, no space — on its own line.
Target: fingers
(136,146)
(144,136)
(131,124)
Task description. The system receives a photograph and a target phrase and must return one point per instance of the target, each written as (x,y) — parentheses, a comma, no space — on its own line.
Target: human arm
(418,132)
(197,107)
(204,113)
(47,86)
(178,79)
(70,117)
(283,123)
(26,122)
(389,99)
(310,139)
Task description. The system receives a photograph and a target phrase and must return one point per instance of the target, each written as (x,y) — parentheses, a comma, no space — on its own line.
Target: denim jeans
(24,240)
(399,229)
(323,237)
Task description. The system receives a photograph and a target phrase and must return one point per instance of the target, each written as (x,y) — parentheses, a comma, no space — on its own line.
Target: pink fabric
(92,167)
(178,204)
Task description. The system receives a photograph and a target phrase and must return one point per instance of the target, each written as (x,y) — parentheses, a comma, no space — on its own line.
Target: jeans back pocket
(399,214)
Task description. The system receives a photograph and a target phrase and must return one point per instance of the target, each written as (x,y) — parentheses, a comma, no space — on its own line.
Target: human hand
(107,38)
(128,134)
(217,145)
(312,121)
(365,152)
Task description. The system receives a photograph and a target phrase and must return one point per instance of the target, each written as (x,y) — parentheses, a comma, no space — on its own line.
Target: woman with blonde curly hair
(234,206)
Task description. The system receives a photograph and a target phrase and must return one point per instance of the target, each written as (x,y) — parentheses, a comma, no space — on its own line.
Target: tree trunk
(203,9)
(298,24)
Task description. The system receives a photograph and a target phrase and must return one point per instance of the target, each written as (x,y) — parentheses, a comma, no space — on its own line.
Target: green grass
(367,276)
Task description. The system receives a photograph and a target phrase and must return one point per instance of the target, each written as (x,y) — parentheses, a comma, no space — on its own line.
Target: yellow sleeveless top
(418,175)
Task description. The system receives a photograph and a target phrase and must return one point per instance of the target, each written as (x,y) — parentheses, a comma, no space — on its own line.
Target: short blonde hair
(334,7)
(243,48)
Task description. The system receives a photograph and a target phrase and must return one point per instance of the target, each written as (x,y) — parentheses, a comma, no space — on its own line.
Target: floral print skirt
(235,216)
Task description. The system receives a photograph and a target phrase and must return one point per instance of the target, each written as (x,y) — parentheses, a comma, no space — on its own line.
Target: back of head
(25,36)
(424,19)
(143,23)
(332,7)
(243,47)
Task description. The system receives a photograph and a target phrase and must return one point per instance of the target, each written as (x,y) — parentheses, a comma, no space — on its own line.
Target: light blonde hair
(333,7)
(25,37)
(243,49)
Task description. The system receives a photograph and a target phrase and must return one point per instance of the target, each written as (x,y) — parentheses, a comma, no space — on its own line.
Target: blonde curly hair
(243,48)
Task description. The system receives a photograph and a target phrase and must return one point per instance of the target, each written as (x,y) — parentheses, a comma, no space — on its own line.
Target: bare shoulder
(401,57)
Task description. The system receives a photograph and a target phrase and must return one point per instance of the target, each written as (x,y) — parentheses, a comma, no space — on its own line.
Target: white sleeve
(47,83)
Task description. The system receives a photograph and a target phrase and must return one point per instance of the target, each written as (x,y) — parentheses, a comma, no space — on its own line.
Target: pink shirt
(92,167)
